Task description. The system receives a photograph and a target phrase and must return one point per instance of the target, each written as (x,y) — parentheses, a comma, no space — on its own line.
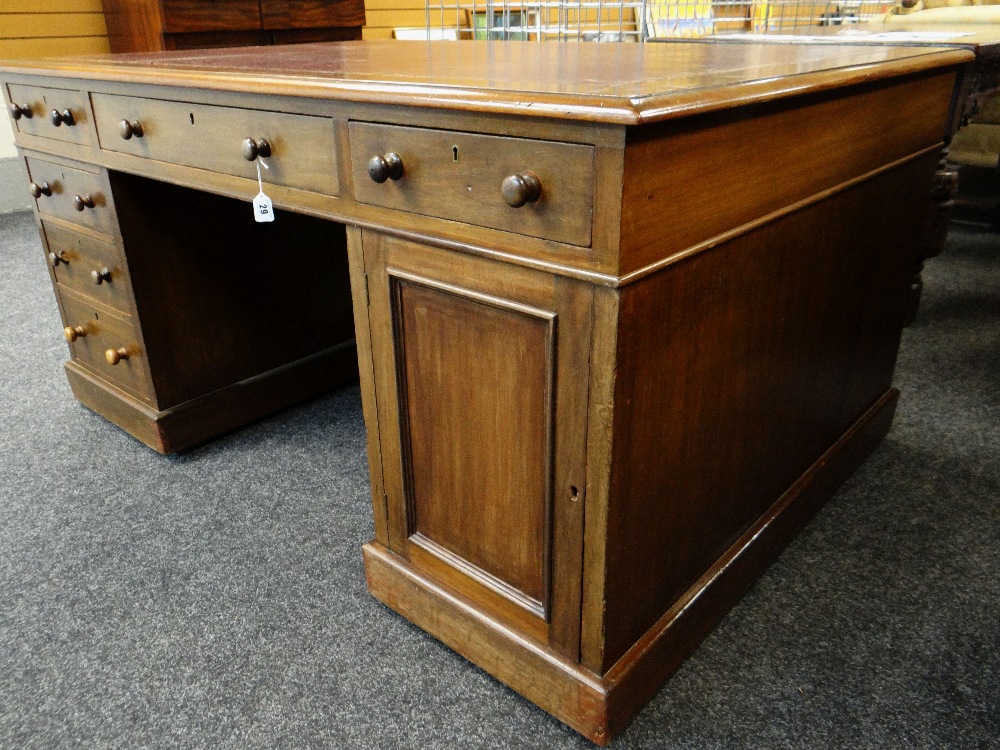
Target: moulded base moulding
(601,706)
(192,422)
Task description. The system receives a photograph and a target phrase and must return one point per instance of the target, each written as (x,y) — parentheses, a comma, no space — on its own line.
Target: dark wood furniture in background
(615,347)
(154,25)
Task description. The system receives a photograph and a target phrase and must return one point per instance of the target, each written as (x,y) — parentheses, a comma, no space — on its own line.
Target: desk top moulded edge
(628,84)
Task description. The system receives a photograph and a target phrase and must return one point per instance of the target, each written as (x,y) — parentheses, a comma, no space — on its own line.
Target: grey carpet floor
(217,600)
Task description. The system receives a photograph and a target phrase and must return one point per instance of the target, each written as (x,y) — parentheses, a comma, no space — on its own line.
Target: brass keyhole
(454,153)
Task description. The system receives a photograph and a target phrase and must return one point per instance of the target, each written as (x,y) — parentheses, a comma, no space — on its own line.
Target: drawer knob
(114,356)
(128,129)
(37,191)
(72,333)
(62,118)
(17,111)
(56,258)
(101,276)
(81,202)
(519,189)
(388,167)
(251,149)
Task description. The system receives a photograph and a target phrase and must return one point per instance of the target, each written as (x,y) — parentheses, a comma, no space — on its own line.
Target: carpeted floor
(217,599)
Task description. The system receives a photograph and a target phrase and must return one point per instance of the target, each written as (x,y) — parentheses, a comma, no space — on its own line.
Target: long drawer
(310,14)
(87,265)
(181,16)
(460,176)
(107,344)
(60,114)
(302,147)
(73,194)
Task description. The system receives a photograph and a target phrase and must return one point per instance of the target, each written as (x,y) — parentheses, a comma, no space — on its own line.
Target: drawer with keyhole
(87,265)
(531,187)
(298,150)
(76,195)
(61,114)
(106,343)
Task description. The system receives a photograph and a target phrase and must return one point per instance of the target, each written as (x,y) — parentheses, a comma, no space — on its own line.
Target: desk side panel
(737,368)
(693,180)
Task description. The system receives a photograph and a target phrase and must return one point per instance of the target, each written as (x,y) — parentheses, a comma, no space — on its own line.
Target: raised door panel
(481,375)
(487,503)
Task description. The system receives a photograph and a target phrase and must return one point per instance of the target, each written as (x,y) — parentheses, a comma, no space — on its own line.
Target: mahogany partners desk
(625,315)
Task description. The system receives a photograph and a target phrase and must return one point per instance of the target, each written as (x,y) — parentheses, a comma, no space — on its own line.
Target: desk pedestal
(578,481)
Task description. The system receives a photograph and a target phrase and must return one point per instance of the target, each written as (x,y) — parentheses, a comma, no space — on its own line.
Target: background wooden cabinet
(154,25)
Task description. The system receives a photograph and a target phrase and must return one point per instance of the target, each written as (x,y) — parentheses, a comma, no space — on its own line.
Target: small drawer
(71,194)
(88,266)
(459,176)
(60,114)
(180,16)
(98,337)
(309,14)
(302,147)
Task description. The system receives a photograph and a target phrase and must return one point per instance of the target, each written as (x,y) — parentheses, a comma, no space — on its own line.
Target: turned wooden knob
(37,191)
(17,111)
(388,167)
(114,356)
(62,118)
(56,258)
(81,202)
(519,189)
(128,129)
(251,149)
(72,333)
(101,276)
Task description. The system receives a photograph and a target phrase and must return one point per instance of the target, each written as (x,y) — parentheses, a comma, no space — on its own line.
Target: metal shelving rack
(634,20)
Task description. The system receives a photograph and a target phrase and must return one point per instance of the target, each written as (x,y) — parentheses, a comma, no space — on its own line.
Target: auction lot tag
(262,208)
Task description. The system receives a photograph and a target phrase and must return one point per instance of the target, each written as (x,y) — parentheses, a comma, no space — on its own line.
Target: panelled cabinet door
(481,385)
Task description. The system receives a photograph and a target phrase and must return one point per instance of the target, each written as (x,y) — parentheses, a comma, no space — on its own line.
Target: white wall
(13,180)
(35,29)
(6,138)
